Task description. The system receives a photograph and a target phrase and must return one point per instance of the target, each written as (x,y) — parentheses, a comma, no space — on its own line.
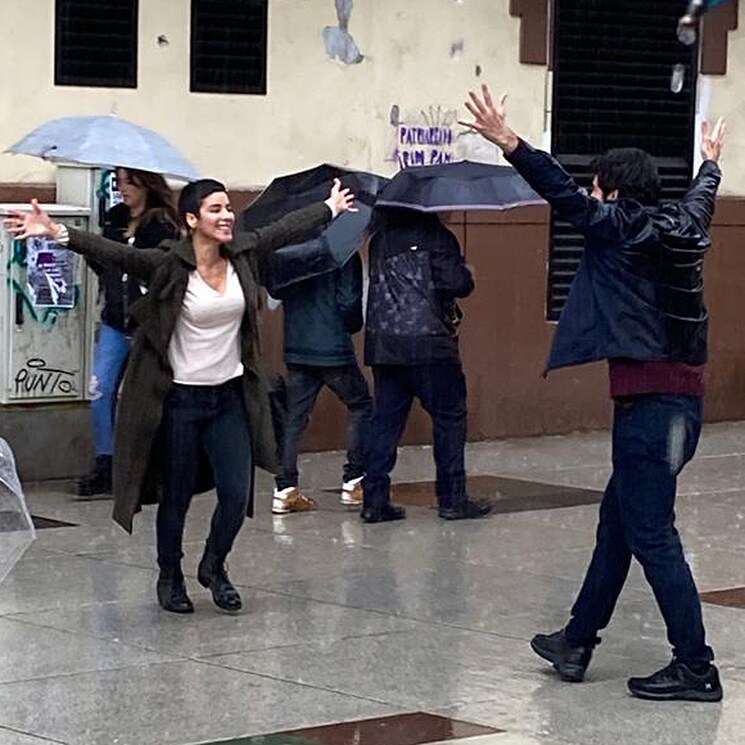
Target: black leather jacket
(119,290)
(638,292)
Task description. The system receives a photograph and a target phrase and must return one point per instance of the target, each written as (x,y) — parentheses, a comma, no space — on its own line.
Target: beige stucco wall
(317,109)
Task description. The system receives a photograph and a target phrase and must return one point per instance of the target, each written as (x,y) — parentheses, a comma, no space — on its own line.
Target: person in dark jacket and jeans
(416,273)
(145,218)
(637,301)
(320,316)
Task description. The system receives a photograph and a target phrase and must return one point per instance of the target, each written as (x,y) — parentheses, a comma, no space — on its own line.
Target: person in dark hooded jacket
(321,314)
(637,301)
(417,272)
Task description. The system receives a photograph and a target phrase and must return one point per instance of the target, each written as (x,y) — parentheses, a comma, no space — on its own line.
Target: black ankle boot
(470,509)
(99,480)
(212,575)
(171,590)
(384,514)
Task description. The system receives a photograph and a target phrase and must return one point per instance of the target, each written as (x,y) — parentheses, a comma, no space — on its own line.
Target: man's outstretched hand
(712,140)
(490,119)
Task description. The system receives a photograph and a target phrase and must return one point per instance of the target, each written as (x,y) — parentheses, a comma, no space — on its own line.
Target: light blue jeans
(109,359)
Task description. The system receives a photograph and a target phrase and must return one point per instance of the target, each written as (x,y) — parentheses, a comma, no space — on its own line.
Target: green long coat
(165,270)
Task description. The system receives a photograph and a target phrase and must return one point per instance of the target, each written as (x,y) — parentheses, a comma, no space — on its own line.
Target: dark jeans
(303,384)
(207,420)
(654,436)
(441,389)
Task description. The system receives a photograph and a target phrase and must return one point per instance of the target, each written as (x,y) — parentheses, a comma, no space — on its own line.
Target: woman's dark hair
(630,170)
(190,199)
(159,199)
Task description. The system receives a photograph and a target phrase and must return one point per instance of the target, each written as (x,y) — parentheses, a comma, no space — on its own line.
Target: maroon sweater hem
(638,378)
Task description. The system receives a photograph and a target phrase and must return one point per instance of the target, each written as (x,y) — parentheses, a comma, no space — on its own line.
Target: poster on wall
(50,277)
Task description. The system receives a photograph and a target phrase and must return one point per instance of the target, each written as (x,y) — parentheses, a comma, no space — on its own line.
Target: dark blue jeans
(207,420)
(303,384)
(441,389)
(654,436)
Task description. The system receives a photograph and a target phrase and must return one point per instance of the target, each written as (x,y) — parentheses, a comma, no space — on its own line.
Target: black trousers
(303,384)
(441,389)
(213,420)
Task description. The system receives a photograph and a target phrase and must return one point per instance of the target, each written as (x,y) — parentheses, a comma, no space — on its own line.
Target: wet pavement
(392,634)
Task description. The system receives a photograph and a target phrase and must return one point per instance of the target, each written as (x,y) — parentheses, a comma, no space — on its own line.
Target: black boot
(468,510)
(98,482)
(212,575)
(171,590)
(384,514)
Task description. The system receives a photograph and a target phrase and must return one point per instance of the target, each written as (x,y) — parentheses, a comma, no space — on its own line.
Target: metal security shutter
(96,43)
(228,46)
(612,67)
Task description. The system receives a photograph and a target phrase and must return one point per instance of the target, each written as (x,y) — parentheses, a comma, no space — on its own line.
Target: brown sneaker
(291,500)
(351,492)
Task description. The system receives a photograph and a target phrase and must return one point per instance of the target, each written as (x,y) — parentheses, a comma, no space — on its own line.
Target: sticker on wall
(50,274)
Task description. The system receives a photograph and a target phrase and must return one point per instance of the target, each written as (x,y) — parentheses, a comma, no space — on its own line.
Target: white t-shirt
(205,348)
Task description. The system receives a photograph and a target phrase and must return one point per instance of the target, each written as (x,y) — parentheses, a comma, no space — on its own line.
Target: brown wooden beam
(717,24)
(533,15)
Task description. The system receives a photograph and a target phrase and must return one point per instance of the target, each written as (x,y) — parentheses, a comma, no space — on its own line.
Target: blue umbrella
(458,186)
(331,247)
(105,141)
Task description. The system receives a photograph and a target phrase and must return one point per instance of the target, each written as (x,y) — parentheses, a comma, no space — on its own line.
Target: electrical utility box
(47,314)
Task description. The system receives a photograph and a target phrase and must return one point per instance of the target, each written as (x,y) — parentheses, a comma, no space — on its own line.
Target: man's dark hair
(190,199)
(630,170)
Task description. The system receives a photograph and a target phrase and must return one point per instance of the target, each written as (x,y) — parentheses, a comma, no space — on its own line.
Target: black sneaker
(677,682)
(569,662)
(471,509)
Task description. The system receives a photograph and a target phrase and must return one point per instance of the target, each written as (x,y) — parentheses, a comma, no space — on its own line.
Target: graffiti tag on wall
(36,378)
(424,146)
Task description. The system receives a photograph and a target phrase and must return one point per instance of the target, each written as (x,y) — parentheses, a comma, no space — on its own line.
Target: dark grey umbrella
(332,247)
(458,186)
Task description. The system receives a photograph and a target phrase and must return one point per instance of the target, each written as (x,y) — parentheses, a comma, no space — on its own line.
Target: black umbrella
(332,247)
(462,185)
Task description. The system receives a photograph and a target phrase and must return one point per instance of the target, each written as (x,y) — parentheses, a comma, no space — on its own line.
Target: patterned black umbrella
(458,186)
(332,247)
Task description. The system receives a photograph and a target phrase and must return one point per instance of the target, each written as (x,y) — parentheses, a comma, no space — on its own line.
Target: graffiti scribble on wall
(339,42)
(433,137)
(37,378)
(428,140)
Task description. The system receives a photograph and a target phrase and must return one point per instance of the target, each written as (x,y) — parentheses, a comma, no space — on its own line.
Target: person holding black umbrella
(321,314)
(637,301)
(417,272)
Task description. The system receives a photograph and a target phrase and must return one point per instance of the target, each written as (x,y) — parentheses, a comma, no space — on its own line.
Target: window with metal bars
(96,43)
(228,46)
(612,70)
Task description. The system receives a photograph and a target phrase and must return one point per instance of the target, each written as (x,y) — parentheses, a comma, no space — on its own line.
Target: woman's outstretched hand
(340,200)
(35,223)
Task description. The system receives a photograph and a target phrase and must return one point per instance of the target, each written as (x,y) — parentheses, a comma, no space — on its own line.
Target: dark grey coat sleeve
(139,262)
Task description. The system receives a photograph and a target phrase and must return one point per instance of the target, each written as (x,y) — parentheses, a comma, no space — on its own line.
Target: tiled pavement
(347,622)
